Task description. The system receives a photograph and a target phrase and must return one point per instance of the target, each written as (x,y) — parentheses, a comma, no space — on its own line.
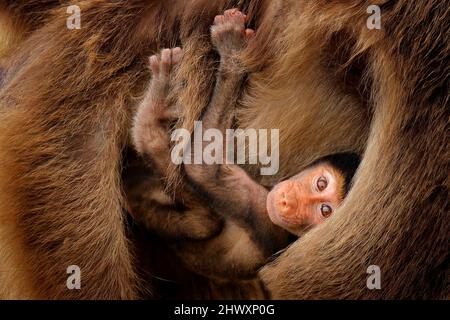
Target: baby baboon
(295,205)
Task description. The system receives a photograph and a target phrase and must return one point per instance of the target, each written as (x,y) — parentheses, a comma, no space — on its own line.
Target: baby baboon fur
(314,67)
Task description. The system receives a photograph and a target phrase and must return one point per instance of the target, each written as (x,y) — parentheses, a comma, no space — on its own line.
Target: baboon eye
(326,211)
(322,183)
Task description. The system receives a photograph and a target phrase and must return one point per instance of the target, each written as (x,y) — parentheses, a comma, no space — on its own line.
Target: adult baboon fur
(316,72)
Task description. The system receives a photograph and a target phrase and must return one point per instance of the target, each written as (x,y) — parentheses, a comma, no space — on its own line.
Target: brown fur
(69,96)
(19,18)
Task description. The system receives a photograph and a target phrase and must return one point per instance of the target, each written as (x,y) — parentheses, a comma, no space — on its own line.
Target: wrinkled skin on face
(306,199)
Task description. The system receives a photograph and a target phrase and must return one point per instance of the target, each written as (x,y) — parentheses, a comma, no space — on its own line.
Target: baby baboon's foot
(161,66)
(228,33)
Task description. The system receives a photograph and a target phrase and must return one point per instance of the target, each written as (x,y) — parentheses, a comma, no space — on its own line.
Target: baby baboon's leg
(229,37)
(231,192)
(149,203)
(150,129)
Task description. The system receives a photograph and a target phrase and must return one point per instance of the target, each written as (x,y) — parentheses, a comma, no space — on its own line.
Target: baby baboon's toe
(229,33)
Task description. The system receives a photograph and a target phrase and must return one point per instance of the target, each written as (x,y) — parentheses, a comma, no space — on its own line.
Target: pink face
(307,199)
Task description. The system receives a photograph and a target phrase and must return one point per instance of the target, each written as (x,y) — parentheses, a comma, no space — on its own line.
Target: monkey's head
(311,197)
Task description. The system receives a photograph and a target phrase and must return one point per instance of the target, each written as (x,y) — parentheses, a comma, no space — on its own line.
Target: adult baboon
(69,95)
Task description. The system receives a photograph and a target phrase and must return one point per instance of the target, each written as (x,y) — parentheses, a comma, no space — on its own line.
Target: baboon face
(307,199)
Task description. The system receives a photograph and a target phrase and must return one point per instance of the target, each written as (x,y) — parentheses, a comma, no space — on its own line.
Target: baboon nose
(287,202)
